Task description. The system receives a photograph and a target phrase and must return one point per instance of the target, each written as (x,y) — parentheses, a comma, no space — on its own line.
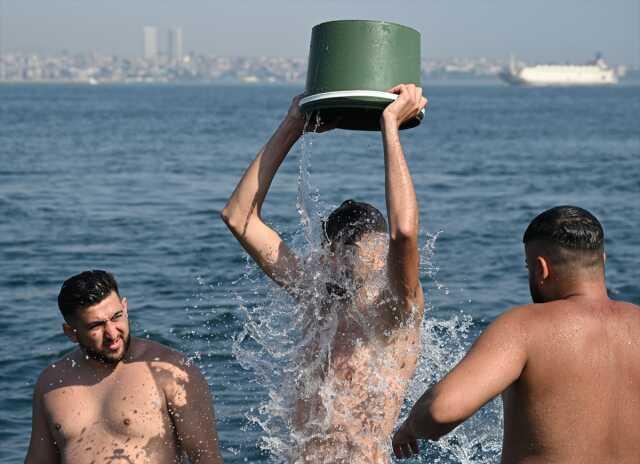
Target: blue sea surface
(133,178)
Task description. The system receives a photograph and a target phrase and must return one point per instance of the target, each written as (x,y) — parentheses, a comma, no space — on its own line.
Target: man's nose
(111,330)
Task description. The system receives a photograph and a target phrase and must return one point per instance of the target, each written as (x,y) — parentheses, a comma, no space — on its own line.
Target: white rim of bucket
(352,93)
(348,93)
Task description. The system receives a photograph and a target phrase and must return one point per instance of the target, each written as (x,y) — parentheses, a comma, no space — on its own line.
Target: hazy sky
(536,30)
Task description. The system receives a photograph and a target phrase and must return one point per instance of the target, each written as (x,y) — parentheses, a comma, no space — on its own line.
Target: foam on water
(287,346)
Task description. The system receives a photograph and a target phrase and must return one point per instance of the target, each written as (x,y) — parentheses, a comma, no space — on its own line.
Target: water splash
(278,334)
(308,203)
(444,344)
(275,329)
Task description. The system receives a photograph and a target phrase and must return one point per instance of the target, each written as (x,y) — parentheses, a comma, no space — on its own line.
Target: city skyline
(152,50)
(566,31)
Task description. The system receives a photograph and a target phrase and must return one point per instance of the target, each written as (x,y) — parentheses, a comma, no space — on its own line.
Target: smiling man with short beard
(117,398)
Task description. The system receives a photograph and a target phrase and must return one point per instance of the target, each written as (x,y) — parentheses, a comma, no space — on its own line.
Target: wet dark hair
(569,233)
(83,290)
(567,226)
(351,220)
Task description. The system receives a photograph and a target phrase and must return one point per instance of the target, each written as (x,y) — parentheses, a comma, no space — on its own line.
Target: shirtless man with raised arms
(117,398)
(370,313)
(567,366)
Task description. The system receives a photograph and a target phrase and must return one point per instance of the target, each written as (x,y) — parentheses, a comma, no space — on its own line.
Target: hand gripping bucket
(351,65)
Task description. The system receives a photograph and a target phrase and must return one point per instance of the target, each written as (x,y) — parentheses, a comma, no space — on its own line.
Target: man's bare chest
(128,407)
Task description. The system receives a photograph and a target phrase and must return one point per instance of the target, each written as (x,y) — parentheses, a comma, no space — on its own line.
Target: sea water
(132,179)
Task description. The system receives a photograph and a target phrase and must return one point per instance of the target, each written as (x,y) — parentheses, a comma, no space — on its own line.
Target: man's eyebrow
(102,321)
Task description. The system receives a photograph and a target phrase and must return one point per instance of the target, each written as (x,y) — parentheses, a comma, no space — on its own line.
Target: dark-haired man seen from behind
(567,366)
(117,398)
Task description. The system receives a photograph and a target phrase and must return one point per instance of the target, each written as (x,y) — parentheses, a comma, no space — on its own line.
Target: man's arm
(402,206)
(42,447)
(242,212)
(191,408)
(495,361)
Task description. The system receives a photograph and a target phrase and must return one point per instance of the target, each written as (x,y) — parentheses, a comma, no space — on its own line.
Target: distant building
(174,45)
(150,42)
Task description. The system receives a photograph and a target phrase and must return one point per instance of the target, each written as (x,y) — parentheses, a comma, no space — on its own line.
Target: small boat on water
(594,73)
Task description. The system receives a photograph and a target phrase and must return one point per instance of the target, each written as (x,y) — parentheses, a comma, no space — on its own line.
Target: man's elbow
(405,230)
(233,222)
(407,234)
(225,215)
(445,416)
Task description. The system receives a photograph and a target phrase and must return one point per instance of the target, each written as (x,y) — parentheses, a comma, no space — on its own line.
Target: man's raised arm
(402,206)
(495,361)
(242,212)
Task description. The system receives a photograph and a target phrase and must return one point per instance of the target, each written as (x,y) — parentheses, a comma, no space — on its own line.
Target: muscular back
(578,397)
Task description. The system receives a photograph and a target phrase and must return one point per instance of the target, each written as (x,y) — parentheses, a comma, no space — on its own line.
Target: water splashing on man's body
(362,317)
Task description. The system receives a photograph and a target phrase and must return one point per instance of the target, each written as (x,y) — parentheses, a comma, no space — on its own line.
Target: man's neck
(592,290)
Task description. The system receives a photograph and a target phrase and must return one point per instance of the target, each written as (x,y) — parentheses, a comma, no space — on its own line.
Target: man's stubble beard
(100,357)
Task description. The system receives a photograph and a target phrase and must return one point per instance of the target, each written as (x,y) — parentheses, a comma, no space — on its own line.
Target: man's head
(349,222)
(355,233)
(95,315)
(564,246)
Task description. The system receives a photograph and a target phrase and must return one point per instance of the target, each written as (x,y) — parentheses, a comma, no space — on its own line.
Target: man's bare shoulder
(171,368)
(149,350)
(516,318)
(571,309)
(59,373)
(624,314)
(630,308)
(517,328)
(538,322)
(511,330)
(539,314)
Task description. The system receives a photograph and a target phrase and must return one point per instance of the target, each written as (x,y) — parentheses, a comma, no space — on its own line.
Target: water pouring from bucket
(352,66)
(346,351)
(337,346)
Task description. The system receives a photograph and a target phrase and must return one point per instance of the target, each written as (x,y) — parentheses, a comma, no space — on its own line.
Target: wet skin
(366,377)
(577,398)
(351,386)
(567,368)
(358,390)
(109,404)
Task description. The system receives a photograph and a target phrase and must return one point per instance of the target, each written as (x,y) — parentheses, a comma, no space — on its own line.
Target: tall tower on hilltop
(174,44)
(150,42)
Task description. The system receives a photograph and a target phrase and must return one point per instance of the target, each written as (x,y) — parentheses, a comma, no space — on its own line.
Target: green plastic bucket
(351,65)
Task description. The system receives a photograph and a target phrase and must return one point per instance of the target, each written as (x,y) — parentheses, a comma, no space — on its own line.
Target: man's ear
(125,305)
(70,332)
(542,268)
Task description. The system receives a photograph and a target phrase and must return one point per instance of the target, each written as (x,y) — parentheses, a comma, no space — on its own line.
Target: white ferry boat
(595,73)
